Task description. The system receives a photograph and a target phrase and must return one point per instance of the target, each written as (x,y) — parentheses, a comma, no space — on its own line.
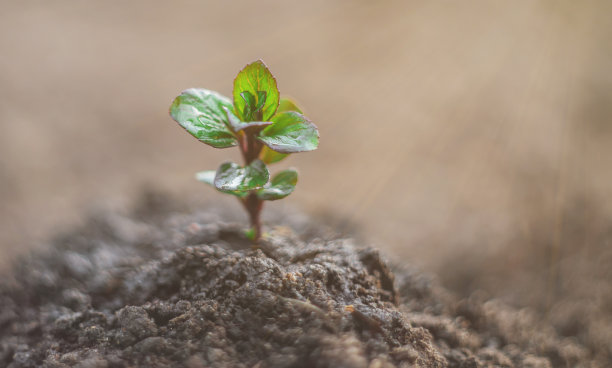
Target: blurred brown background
(470,138)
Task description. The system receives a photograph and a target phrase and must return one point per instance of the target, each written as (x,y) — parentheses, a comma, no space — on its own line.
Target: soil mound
(160,288)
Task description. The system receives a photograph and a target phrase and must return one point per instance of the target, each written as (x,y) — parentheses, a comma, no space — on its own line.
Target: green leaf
(253,105)
(208,177)
(249,103)
(281,186)
(260,84)
(291,132)
(231,176)
(250,233)
(269,156)
(237,125)
(262,96)
(287,104)
(201,113)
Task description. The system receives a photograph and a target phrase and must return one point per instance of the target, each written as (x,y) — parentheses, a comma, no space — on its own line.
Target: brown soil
(164,287)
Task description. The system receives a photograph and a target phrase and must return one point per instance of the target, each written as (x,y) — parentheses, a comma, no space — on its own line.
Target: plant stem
(253,205)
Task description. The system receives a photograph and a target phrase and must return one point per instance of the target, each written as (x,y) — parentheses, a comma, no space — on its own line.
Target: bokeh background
(472,138)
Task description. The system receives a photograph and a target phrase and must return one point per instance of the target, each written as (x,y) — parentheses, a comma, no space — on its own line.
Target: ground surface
(167,287)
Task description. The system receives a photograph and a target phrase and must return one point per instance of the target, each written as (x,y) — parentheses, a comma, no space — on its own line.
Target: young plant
(265,127)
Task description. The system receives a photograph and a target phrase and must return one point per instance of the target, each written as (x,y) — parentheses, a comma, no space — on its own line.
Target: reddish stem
(251,149)
(253,205)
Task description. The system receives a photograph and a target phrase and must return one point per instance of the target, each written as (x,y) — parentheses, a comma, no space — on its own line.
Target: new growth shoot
(266,129)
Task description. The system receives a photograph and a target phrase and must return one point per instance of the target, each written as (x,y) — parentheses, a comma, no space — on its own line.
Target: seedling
(266,129)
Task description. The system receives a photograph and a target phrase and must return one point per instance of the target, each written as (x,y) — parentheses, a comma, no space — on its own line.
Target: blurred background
(473,139)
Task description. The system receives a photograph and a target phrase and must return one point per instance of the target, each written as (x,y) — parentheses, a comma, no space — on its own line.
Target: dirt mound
(162,288)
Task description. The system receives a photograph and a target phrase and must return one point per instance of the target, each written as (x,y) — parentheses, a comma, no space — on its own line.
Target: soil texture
(166,288)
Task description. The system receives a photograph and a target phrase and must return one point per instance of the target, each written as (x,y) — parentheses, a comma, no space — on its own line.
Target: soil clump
(163,288)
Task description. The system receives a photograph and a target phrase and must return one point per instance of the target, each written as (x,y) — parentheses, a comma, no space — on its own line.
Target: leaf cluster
(266,128)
